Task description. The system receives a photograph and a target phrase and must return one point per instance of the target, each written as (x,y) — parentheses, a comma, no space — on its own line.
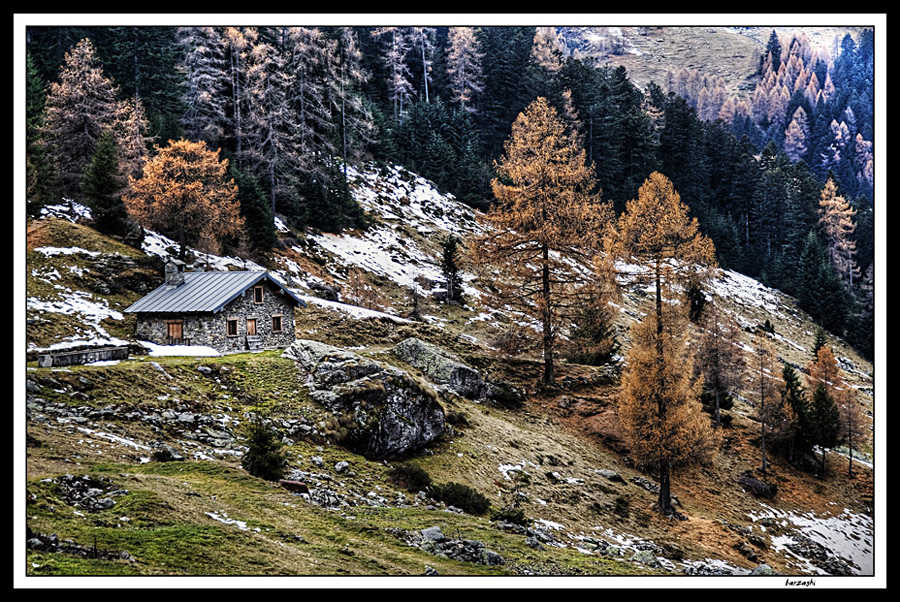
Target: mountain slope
(558,454)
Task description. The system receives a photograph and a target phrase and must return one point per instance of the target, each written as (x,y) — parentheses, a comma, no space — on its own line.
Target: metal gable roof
(203,292)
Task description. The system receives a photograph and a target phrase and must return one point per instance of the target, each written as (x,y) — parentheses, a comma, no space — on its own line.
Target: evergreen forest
(781,180)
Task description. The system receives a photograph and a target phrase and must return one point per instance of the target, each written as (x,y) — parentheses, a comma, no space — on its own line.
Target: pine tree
(450,250)
(263,457)
(796,136)
(825,421)
(204,64)
(793,398)
(547,218)
(238,42)
(396,48)
(421,41)
(348,101)
(79,108)
(828,386)
(133,139)
(102,187)
(660,401)
(770,412)
(256,211)
(818,342)
(270,130)
(37,175)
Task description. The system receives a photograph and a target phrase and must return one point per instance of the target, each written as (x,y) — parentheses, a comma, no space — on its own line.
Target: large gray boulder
(443,368)
(385,411)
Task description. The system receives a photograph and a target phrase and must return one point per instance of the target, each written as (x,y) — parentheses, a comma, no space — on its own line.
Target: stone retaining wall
(73,358)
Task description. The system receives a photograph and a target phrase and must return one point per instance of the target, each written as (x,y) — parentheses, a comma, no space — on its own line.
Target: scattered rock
(433,541)
(756,487)
(51,543)
(88,493)
(610,474)
(763,569)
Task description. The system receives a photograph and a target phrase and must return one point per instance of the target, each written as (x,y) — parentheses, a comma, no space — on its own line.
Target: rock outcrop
(384,411)
(442,367)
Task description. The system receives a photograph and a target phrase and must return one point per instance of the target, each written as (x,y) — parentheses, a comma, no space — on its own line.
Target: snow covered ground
(845,534)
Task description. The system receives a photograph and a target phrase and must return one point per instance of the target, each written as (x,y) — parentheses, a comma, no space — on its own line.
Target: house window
(276,323)
(257,294)
(251,327)
(174,329)
(231,327)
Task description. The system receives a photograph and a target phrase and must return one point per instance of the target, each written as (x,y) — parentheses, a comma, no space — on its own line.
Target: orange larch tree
(836,220)
(544,229)
(185,193)
(659,406)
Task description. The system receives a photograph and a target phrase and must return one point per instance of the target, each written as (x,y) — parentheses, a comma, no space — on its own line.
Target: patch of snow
(360,313)
(69,210)
(112,438)
(156,244)
(52,251)
(550,524)
(223,518)
(847,535)
(179,350)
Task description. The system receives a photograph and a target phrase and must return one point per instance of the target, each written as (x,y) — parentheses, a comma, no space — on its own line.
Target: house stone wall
(212,329)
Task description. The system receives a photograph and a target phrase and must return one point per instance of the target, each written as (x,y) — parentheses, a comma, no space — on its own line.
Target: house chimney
(174,275)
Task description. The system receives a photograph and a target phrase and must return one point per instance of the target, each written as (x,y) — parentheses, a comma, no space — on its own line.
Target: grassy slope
(558,438)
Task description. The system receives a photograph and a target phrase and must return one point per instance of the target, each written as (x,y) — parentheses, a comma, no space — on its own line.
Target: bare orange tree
(659,405)
(720,358)
(544,229)
(185,193)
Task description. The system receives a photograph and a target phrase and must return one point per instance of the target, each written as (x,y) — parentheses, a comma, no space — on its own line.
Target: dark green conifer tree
(450,268)
(103,185)
(257,212)
(825,420)
(793,396)
(263,457)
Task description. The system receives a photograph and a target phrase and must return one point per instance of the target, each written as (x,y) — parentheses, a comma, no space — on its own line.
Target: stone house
(228,311)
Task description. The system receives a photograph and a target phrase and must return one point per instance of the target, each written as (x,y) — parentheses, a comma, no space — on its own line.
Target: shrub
(457,419)
(264,458)
(509,514)
(411,477)
(463,497)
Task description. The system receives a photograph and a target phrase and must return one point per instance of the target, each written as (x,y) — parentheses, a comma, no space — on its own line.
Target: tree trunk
(665,491)
(548,332)
(850,453)
(665,494)
(718,411)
